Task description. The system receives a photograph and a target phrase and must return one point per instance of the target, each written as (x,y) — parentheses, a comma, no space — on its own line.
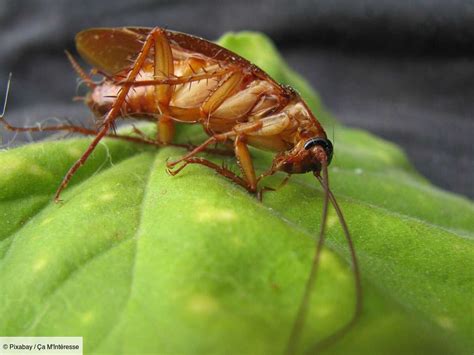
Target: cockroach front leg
(248,181)
(221,170)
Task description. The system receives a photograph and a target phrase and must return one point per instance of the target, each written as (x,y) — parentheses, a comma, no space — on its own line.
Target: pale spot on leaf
(202,304)
(332,221)
(237,241)
(215,214)
(87,317)
(86,205)
(325,257)
(15,166)
(40,264)
(323,311)
(108,196)
(37,170)
(74,152)
(46,221)
(445,322)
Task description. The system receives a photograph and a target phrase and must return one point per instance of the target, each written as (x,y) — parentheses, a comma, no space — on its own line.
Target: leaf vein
(135,238)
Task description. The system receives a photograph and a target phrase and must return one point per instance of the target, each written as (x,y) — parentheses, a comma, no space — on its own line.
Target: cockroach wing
(109,49)
(112,49)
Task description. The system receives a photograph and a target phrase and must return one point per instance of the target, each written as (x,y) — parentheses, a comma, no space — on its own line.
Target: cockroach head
(323,143)
(307,155)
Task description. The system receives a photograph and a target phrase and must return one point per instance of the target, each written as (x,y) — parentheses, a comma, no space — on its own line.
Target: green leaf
(137,261)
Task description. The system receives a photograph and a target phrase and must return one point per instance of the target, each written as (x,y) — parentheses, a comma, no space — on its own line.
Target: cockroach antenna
(304,304)
(6,96)
(357,276)
(333,136)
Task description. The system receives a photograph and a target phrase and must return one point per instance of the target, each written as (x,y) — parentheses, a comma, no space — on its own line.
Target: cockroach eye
(323,142)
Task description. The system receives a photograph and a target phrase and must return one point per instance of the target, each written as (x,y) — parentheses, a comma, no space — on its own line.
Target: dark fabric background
(403,70)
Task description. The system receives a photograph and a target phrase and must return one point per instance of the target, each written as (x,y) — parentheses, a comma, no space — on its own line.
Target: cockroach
(170,77)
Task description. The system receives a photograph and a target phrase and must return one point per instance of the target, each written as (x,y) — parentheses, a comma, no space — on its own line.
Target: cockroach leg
(245,161)
(240,149)
(165,130)
(249,180)
(272,189)
(114,112)
(211,140)
(175,80)
(142,139)
(63,127)
(239,129)
(221,170)
(188,146)
(262,191)
(163,68)
(217,151)
(226,88)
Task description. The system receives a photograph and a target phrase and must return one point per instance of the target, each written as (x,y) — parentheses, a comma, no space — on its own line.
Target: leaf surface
(137,261)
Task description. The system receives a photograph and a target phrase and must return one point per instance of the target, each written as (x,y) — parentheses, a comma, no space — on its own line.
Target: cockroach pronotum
(168,77)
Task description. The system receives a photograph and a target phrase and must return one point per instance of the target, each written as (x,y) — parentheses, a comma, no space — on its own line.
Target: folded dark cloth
(403,70)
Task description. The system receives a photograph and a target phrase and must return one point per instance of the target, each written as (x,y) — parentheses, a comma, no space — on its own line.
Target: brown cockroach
(171,77)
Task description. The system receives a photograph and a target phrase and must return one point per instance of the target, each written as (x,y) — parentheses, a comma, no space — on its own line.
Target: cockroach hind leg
(112,114)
